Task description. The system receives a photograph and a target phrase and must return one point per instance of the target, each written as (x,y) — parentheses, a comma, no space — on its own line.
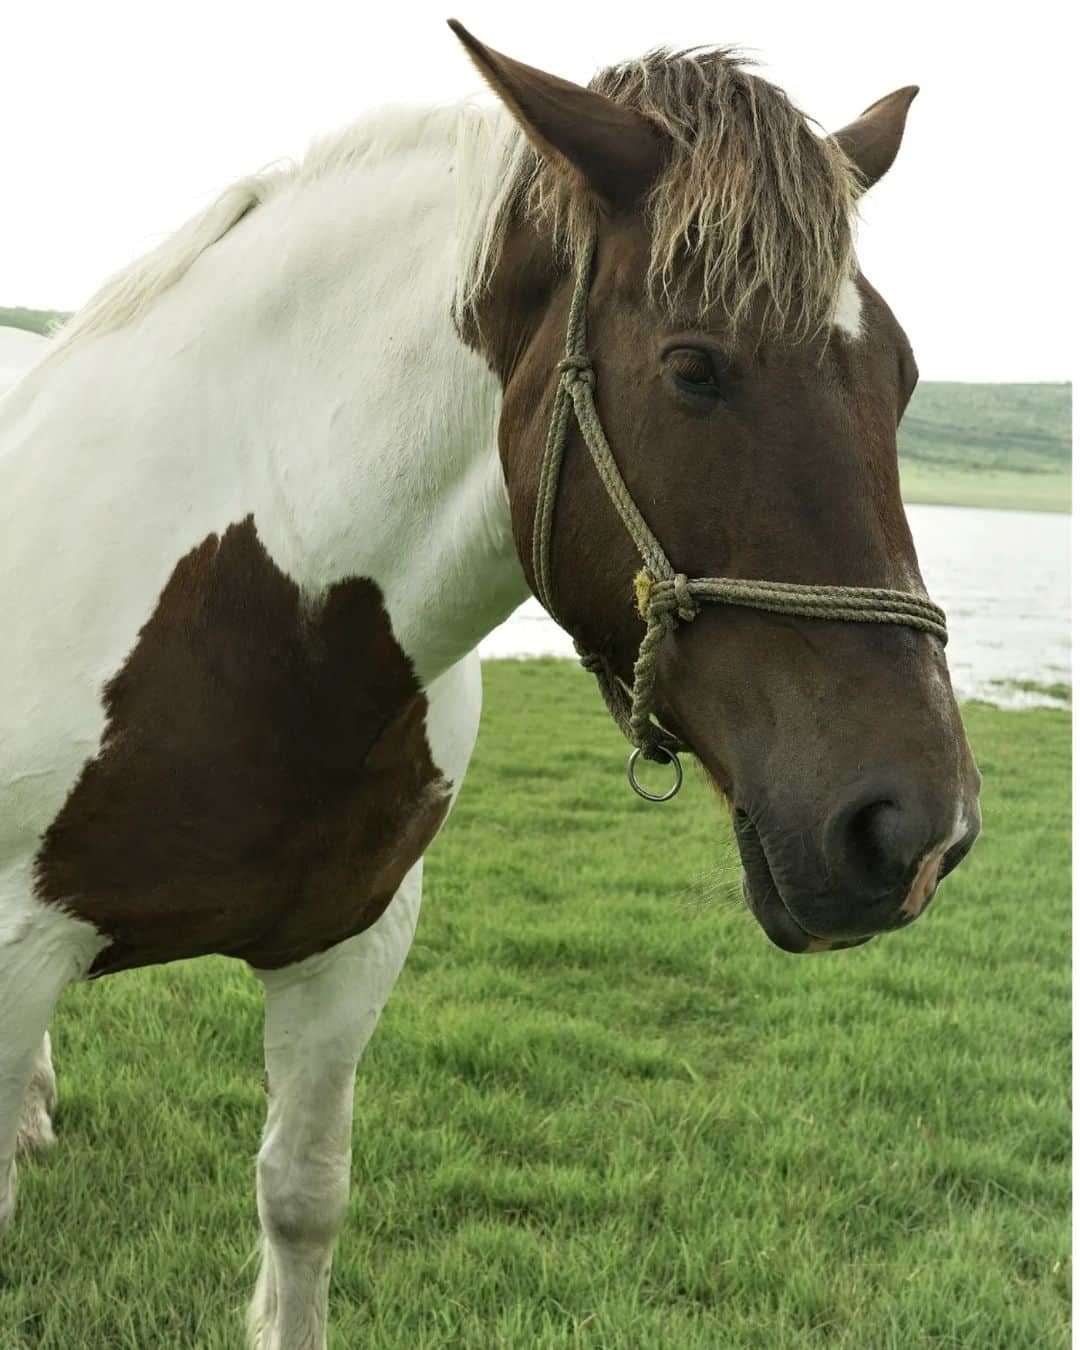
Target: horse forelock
(752,201)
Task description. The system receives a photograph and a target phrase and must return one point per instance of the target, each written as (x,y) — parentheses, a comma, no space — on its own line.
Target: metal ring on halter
(644,792)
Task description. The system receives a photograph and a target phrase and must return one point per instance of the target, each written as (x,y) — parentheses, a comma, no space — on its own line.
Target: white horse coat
(289,357)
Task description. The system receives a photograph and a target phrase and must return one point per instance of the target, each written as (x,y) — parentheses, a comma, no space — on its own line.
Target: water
(1002,577)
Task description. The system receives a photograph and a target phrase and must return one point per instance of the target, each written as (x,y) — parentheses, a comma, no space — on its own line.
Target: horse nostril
(875,843)
(869,835)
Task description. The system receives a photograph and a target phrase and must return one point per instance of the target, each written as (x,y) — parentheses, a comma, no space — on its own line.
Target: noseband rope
(665,598)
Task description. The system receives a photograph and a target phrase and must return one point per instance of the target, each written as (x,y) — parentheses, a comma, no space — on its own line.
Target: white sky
(118,120)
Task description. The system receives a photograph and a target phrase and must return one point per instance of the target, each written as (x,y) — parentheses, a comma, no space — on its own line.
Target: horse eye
(691,365)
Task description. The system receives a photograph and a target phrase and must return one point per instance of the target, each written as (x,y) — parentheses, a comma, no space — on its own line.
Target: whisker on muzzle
(717,890)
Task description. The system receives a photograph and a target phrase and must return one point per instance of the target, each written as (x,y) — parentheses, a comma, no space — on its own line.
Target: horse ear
(872,140)
(614,149)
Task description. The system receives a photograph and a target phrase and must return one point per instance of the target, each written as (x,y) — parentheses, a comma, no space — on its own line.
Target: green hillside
(1007,445)
(33,320)
(988,445)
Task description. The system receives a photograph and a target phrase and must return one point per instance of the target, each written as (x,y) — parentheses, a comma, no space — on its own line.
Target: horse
(18,351)
(265,493)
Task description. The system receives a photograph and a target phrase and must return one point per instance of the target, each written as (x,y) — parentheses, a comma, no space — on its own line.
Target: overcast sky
(118,120)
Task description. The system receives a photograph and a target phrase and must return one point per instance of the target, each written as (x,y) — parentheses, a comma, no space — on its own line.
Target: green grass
(1057,689)
(937,486)
(601,1110)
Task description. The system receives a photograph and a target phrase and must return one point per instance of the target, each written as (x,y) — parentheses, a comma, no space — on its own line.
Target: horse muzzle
(875,868)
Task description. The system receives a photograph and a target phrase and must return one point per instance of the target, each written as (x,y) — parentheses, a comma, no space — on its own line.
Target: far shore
(1002,491)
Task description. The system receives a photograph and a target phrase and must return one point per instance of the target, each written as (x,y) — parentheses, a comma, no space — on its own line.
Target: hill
(32,320)
(988,445)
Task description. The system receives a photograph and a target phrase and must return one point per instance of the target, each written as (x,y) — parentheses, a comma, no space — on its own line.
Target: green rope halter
(666,597)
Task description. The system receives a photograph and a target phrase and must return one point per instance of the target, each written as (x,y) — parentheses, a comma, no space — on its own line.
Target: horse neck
(307,370)
(395,473)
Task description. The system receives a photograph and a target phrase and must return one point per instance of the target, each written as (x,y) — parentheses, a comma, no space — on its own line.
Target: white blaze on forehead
(847,315)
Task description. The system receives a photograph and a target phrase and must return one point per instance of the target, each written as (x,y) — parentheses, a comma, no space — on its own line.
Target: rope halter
(665,598)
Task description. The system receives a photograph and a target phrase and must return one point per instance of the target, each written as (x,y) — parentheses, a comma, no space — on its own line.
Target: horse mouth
(765,902)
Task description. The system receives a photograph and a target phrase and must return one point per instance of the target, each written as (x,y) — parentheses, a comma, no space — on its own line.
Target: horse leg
(320,1014)
(41,951)
(35,1134)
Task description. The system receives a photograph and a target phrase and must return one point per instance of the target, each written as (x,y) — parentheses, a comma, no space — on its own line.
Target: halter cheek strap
(665,598)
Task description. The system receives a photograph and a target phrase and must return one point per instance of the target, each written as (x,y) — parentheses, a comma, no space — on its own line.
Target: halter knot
(685,605)
(595,665)
(577,368)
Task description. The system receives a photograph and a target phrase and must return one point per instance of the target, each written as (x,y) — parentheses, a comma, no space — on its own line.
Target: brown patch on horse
(264,780)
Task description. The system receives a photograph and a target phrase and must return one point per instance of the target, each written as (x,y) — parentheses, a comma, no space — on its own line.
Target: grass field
(945,486)
(601,1110)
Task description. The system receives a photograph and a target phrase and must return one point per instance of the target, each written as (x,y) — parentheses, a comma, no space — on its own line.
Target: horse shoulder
(265,777)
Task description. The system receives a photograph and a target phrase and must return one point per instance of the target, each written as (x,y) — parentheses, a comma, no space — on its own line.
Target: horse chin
(767,904)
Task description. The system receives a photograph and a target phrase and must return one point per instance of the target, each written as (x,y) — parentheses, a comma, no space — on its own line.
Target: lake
(1002,577)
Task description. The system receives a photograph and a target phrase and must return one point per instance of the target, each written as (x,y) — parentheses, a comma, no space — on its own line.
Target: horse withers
(265,494)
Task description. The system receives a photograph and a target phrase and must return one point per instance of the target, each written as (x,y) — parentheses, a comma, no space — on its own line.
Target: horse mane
(482,141)
(129,292)
(750,193)
(751,197)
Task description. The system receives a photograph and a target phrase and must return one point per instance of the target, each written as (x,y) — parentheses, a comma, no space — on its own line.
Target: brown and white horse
(263,497)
